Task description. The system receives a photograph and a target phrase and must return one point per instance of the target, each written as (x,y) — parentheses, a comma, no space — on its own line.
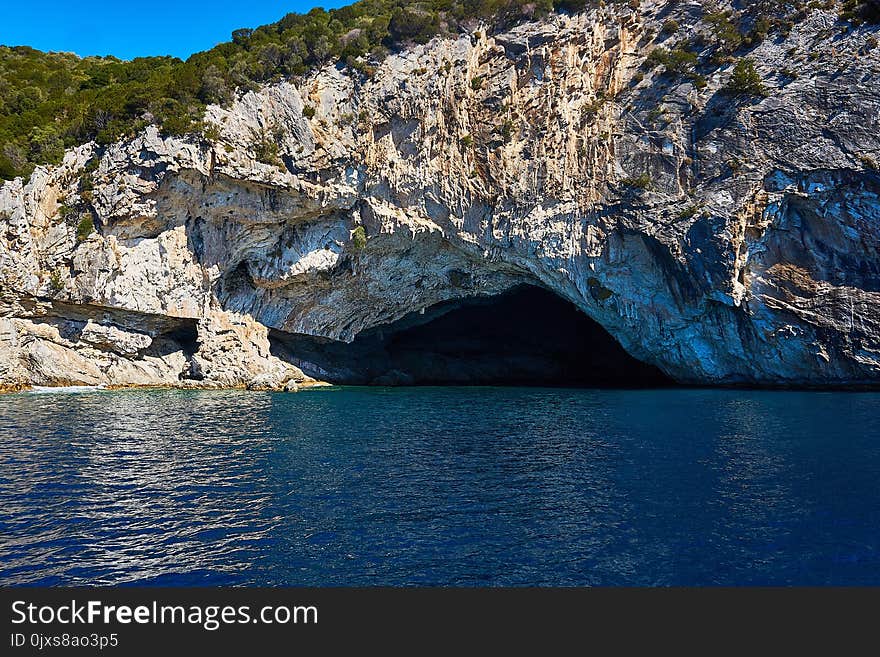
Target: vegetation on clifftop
(51,101)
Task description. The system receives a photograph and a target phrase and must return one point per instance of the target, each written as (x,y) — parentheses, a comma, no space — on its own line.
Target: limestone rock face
(723,238)
(235,351)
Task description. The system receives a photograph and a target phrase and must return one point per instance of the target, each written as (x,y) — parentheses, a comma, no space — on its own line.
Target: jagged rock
(263,382)
(112,338)
(50,364)
(724,239)
(234,351)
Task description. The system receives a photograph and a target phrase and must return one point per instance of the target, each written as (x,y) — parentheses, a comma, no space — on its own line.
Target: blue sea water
(440,486)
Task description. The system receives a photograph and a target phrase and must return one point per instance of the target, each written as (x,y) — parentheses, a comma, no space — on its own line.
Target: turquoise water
(465,486)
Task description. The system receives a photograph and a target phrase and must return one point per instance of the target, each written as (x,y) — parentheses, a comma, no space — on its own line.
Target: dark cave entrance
(526,336)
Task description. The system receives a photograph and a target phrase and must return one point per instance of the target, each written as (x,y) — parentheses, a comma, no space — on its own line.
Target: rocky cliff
(724,238)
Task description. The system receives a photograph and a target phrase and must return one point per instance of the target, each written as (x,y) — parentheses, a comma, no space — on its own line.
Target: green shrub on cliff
(358,238)
(56,281)
(642,181)
(265,147)
(745,79)
(85,228)
(724,30)
(669,27)
(677,61)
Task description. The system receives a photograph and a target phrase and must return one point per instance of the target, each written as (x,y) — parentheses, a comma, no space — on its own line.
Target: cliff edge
(725,234)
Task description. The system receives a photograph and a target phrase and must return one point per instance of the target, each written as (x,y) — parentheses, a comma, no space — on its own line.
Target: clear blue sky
(136,29)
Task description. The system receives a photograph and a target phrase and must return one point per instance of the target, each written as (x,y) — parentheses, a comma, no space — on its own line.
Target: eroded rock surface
(723,239)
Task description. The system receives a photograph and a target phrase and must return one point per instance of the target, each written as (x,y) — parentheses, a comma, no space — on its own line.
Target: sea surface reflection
(461,486)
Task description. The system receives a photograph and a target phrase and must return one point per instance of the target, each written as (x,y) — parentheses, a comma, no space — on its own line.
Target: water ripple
(479,486)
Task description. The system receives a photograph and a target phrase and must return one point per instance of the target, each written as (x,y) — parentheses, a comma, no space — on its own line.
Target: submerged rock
(721,238)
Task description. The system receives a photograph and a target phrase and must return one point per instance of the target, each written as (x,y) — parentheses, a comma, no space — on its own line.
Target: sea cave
(527,336)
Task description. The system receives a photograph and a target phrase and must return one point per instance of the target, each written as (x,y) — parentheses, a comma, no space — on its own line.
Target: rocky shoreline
(309,385)
(724,239)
